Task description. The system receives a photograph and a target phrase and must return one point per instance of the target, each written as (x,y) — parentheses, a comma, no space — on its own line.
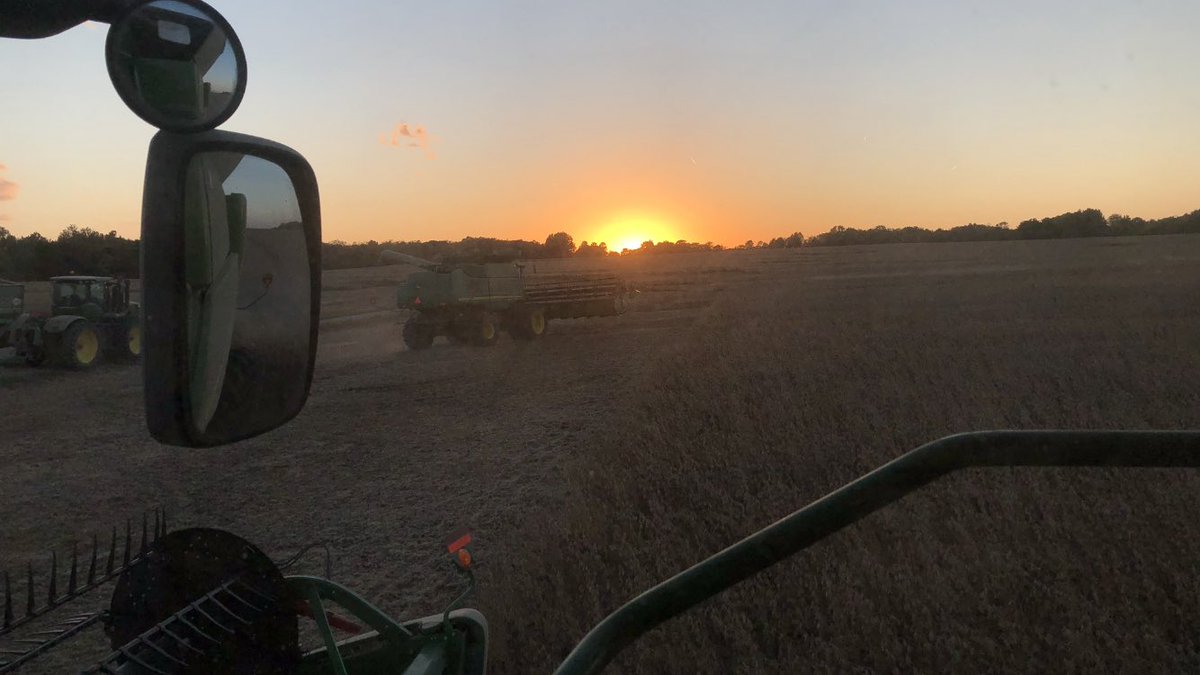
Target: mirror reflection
(247,276)
(174,65)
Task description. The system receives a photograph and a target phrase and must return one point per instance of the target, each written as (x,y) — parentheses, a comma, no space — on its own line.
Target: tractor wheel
(127,344)
(528,323)
(485,332)
(418,335)
(78,346)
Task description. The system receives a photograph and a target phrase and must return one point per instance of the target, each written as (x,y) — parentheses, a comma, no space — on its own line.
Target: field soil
(738,387)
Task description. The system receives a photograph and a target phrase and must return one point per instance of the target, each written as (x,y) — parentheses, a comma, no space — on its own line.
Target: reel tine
(91,579)
(142,549)
(73,579)
(29,592)
(156,520)
(180,641)
(128,540)
(112,553)
(52,589)
(8,617)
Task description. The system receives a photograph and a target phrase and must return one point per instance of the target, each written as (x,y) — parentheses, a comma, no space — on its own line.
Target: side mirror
(177,64)
(231,277)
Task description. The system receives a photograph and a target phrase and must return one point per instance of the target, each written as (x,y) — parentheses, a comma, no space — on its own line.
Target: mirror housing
(231,288)
(177,64)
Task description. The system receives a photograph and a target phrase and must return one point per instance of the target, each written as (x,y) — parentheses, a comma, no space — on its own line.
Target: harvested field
(739,387)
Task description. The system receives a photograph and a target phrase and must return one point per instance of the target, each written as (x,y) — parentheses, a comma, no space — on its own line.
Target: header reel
(203,600)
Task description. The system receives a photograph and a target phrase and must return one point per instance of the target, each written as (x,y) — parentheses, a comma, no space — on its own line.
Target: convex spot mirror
(177,64)
(231,275)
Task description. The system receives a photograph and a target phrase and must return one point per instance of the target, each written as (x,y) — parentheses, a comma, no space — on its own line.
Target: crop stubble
(740,386)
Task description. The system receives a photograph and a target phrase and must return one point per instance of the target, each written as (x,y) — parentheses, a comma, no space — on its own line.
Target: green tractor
(90,316)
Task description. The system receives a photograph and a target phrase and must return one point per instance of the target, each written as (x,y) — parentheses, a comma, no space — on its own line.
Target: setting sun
(629,231)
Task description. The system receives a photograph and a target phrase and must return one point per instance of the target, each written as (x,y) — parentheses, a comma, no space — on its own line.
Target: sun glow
(630,231)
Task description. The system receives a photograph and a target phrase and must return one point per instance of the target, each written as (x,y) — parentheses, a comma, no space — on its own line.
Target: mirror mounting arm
(35,19)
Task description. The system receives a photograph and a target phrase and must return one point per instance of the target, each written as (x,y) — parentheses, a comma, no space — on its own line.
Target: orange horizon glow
(789,119)
(630,231)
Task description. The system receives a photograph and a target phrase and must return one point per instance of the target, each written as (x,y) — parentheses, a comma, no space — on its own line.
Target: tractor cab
(12,301)
(90,297)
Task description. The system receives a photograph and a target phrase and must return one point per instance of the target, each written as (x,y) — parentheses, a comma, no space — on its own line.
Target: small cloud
(8,189)
(406,135)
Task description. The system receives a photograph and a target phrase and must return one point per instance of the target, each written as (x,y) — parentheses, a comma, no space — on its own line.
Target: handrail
(856,500)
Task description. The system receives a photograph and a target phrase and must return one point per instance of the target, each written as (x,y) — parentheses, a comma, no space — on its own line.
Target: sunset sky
(619,120)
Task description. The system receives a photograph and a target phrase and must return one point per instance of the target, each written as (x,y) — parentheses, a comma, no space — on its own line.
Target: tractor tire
(418,335)
(127,342)
(78,347)
(485,331)
(528,323)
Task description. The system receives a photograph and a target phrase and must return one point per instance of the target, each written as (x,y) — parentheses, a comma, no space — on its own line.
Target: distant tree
(587,250)
(560,245)
(1121,225)
(7,242)
(1085,223)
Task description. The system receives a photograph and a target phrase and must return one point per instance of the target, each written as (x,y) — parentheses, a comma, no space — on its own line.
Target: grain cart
(472,303)
(89,315)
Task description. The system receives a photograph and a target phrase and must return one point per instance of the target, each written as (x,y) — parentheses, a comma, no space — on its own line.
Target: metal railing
(864,496)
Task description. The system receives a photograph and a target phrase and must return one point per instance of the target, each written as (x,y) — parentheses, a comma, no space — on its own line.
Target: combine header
(472,303)
(201,600)
(18,649)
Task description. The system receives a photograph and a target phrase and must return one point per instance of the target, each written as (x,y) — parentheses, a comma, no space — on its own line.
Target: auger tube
(388,257)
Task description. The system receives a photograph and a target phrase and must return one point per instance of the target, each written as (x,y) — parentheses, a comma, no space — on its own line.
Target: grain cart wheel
(485,331)
(78,346)
(418,335)
(528,323)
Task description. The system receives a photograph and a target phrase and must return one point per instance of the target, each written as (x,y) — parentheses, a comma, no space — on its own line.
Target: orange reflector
(463,540)
(464,558)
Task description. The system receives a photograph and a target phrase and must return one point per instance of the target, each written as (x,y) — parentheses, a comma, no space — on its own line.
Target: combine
(472,303)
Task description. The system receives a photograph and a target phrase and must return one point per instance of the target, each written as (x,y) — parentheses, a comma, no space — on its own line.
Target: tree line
(76,250)
(1083,223)
(82,250)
